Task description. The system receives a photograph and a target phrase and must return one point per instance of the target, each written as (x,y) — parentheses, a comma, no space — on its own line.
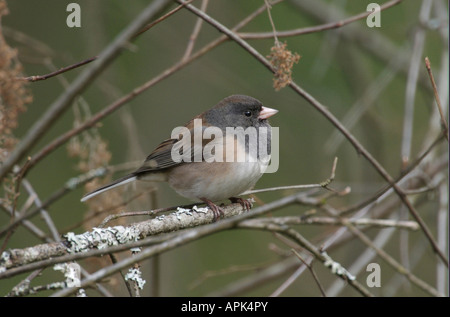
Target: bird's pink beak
(266,112)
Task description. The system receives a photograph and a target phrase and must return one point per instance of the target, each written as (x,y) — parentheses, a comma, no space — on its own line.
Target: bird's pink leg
(217,211)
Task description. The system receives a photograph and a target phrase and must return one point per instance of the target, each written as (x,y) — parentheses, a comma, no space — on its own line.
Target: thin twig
(314,275)
(301,220)
(232,269)
(23,288)
(58,72)
(274,30)
(411,84)
(162,18)
(44,214)
(323,184)
(442,236)
(195,32)
(113,259)
(296,274)
(436,96)
(313,29)
(28,225)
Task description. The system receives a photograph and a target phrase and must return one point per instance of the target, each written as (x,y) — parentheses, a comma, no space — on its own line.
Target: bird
(199,166)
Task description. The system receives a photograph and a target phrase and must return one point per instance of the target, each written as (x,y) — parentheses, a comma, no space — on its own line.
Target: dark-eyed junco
(217,155)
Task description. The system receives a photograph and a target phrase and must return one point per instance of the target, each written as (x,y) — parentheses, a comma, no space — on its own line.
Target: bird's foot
(217,211)
(244,202)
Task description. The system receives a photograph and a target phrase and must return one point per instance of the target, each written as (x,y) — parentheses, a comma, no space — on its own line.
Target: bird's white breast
(216,180)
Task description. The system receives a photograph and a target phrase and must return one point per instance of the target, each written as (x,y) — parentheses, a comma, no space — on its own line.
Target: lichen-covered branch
(101,238)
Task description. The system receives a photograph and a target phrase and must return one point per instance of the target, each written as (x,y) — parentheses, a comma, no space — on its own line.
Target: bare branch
(436,95)
(101,238)
(314,29)
(309,266)
(59,71)
(323,184)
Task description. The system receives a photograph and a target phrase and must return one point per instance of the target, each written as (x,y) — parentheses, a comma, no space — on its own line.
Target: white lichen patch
(5,259)
(72,273)
(127,234)
(78,243)
(203,210)
(101,238)
(135,275)
(337,268)
(181,211)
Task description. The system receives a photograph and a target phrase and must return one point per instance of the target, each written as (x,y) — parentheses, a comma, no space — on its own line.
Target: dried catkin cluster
(13,92)
(282,60)
(92,152)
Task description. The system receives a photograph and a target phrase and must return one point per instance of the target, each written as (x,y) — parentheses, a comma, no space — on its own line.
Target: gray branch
(102,238)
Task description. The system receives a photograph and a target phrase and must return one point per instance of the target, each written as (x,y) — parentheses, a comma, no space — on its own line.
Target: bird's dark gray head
(239,111)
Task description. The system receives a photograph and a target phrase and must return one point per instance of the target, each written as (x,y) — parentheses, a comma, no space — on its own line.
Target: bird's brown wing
(160,158)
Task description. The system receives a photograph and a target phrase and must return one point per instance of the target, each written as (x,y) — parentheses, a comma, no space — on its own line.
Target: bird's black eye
(247,113)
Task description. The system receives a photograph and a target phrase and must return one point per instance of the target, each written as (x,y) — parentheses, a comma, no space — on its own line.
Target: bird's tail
(119,182)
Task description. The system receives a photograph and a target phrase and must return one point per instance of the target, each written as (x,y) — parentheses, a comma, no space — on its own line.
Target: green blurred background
(337,69)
